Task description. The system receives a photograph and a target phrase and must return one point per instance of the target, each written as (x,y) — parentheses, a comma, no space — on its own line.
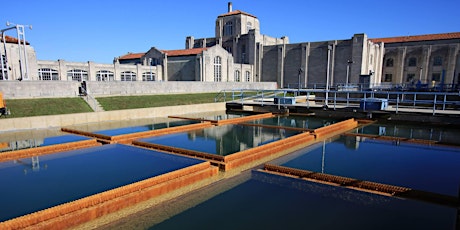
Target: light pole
(420,78)
(22,49)
(348,71)
(329,48)
(300,73)
(150,64)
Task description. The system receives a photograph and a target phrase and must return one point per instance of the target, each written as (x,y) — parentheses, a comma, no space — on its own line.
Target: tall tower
(232,28)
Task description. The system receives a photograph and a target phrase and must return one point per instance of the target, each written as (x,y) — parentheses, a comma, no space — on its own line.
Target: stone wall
(57,89)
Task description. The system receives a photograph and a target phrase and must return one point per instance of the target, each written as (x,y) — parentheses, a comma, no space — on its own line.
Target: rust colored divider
(243,119)
(87,134)
(38,151)
(203,155)
(247,156)
(334,129)
(367,186)
(190,118)
(128,138)
(229,121)
(278,127)
(91,207)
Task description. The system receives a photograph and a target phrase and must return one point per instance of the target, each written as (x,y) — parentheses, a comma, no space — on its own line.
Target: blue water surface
(276,202)
(33,184)
(222,140)
(136,129)
(421,167)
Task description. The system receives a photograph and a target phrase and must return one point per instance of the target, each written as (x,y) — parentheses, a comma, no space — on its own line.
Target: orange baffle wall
(83,210)
(38,151)
(334,129)
(128,138)
(247,156)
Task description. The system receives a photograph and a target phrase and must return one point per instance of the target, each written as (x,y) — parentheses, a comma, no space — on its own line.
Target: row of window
(46,74)
(437,61)
(218,71)
(238,77)
(411,78)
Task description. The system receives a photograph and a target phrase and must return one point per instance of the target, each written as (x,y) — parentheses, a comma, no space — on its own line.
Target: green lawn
(53,106)
(46,106)
(134,102)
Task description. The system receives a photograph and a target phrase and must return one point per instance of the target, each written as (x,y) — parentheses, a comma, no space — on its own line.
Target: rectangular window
(388,77)
(436,77)
(437,61)
(410,77)
(412,62)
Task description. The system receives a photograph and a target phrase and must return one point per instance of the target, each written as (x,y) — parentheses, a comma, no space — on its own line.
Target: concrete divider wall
(41,122)
(56,89)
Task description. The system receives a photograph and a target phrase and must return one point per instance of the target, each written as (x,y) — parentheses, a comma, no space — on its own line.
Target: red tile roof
(236,12)
(184,52)
(10,39)
(416,38)
(131,56)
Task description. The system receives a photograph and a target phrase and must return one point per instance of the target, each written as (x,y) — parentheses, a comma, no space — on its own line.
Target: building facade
(239,53)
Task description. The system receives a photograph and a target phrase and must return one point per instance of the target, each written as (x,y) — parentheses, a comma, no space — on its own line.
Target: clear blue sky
(99,30)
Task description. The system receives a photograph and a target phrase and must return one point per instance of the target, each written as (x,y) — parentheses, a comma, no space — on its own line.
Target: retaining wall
(56,89)
(41,122)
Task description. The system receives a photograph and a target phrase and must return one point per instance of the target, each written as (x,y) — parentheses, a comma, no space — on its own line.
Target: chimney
(230,7)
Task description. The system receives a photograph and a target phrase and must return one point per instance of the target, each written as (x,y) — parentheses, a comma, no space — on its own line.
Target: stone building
(239,53)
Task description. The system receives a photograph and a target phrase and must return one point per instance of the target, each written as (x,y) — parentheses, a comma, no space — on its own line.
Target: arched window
(249,26)
(228,28)
(47,74)
(77,75)
(128,76)
(148,76)
(437,61)
(104,75)
(248,76)
(389,62)
(412,61)
(217,69)
(237,76)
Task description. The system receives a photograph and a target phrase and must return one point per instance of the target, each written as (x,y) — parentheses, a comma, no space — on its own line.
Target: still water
(143,128)
(275,202)
(421,167)
(305,122)
(25,142)
(33,184)
(446,135)
(222,140)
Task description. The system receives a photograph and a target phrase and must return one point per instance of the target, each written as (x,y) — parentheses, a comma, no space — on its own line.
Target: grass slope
(46,106)
(134,102)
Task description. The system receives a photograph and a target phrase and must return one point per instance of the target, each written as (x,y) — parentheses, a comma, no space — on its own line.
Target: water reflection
(222,140)
(155,126)
(295,121)
(425,132)
(31,164)
(36,140)
(421,167)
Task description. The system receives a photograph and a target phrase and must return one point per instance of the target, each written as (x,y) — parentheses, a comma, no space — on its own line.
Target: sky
(100,30)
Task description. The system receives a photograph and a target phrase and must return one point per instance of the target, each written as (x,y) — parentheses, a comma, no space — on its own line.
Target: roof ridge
(423,37)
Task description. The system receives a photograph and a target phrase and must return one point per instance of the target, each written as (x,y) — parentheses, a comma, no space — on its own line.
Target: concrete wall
(55,89)
(38,89)
(43,122)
